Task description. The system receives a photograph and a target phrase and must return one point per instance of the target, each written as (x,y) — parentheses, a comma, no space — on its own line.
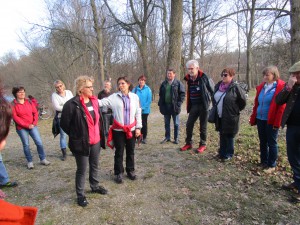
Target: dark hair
(15,90)
(230,71)
(127,81)
(143,77)
(5,116)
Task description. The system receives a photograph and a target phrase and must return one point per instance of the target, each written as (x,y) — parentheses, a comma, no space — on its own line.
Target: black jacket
(234,101)
(177,95)
(73,122)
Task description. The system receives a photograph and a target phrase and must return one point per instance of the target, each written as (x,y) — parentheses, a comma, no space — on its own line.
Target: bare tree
(295,30)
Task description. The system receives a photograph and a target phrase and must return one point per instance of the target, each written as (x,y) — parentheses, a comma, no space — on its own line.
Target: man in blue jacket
(171,97)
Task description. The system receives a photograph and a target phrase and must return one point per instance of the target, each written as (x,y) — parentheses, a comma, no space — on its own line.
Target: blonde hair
(80,83)
(59,82)
(273,70)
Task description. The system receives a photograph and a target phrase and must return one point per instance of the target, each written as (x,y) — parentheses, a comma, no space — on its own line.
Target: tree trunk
(98,30)
(295,31)
(193,30)
(174,53)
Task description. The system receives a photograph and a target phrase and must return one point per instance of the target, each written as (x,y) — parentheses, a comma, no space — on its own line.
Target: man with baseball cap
(291,117)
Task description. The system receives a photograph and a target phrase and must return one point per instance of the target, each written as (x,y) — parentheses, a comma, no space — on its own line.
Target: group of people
(121,118)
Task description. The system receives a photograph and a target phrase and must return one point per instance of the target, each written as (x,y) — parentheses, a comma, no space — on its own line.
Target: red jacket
(16,215)
(24,114)
(275,111)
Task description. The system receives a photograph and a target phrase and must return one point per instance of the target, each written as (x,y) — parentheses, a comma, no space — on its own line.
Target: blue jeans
(293,151)
(4,178)
(268,143)
(167,119)
(35,135)
(63,138)
(226,145)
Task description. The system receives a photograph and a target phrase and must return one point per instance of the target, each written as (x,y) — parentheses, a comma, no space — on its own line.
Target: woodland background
(108,39)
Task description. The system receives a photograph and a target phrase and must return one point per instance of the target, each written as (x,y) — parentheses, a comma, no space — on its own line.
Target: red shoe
(201,148)
(186,147)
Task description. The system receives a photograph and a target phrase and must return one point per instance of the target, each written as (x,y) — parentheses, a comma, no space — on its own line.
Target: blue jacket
(145,96)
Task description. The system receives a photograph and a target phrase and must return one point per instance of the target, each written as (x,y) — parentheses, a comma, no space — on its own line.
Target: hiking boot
(119,179)
(289,187)
(165,140)
(81,201)
(64,154)
(201,148)
(269,170)
(30,165)
(100,190)
(186,147)
(131,175)
(9,184)
(45,162)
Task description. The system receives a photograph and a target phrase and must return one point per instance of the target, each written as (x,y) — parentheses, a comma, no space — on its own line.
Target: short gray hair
(192,62)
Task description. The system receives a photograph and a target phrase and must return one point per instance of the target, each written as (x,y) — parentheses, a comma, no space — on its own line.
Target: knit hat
(295,67)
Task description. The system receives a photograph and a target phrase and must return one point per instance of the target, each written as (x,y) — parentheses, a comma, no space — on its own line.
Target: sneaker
(225,159)
(144,141)
(290,187)
(131,175)
(45,162)
(269,170)
(201,148)
(119,179)
(100,190)
(81,201)
(165,140)
(30,165)
(296,198)
(176,141)
(9,184)
(186,147)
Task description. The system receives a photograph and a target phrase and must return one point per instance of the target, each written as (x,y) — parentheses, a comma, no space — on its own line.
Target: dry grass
(173,187)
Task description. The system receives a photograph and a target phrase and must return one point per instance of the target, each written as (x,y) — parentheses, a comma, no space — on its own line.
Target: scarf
(223,87)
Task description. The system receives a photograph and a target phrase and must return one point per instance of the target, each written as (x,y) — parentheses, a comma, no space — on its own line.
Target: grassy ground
(173,187)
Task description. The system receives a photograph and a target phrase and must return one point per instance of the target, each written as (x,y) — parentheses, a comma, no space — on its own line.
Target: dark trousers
(293,151)
(121,142)
(107,120)
(82,162)
(267,142)
(144,123)
(197,111)
(226,145)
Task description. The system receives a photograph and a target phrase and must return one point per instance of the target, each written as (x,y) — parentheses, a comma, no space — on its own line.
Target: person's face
(107,86)
(142,82)
(226,78)
(21,94)
(170,75)
(193,70)
(297,75)
(88,89)
(123,86)
(268,77)
(59,88)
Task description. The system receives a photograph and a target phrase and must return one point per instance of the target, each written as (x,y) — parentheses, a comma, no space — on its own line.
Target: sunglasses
(224,74)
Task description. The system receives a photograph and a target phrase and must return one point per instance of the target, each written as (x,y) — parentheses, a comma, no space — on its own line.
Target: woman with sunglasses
(126,127)
(81,120)
(25,116)
(231,100)
(266,114)
(59,98)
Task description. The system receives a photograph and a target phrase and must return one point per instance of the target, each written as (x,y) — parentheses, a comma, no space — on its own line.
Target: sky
(14,15)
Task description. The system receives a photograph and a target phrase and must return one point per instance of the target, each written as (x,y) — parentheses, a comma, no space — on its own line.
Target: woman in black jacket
(231,100)
(80,119)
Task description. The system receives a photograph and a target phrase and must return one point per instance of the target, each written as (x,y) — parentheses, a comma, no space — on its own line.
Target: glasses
(89,87)
(121,83)
(21,92)
(190,68)
(224,74)
(58,86)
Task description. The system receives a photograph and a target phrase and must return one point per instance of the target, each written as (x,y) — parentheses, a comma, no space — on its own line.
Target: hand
(292,80)
(137,132)
(31,126)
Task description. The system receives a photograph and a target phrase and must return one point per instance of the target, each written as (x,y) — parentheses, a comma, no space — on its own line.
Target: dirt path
(173,187)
